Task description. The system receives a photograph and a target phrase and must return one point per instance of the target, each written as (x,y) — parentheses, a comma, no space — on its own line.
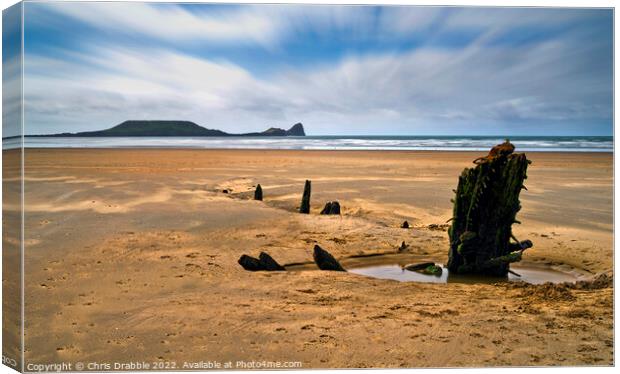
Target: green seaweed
(433,270)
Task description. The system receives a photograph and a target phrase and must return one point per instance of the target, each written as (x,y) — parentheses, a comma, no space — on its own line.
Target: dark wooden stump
(325,261)
(332,207)
(485,207)
(263,262)
(305,199)
(250,263)
(269,263)
(258,194)
(403,247)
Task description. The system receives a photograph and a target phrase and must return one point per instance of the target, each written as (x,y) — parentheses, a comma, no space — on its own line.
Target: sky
(340,70)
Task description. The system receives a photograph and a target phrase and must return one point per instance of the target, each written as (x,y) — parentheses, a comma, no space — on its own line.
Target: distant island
(172,128)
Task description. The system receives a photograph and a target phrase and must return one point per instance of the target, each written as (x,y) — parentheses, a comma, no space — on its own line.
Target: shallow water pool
(529,274)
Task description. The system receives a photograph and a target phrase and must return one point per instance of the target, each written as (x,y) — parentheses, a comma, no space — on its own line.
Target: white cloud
(510,17)
(265,25)
(426,85)
(170,22)
(11,96)
(106,84)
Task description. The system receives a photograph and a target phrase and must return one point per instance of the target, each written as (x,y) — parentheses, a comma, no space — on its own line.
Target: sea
(421,143)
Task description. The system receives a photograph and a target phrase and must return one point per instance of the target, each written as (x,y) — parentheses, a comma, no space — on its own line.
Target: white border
(484,3)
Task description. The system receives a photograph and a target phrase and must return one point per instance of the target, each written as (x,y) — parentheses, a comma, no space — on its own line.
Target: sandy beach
(131,255)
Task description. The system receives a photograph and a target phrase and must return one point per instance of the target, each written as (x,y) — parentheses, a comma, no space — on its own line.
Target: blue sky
(338,69)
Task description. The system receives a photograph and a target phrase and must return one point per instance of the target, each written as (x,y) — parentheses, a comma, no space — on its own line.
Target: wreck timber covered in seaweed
(485,207)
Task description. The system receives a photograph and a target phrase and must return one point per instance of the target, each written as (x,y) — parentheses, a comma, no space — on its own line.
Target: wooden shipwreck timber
(485,208)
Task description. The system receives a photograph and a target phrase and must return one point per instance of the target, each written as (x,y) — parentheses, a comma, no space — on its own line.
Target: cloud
(552,80)
(266,25)
(421,86)
(11,72)
(113,84)
(11,96)
(169,22)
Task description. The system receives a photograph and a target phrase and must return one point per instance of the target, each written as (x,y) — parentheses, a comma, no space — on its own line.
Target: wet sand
(132,255)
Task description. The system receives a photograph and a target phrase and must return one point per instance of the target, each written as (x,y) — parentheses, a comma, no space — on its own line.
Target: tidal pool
(391,266)
(529,274)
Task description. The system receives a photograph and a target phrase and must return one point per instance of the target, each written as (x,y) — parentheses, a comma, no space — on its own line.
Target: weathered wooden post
(325,261)
(485,207)
(258,194)
(305,199)
(263,262)
(331,207)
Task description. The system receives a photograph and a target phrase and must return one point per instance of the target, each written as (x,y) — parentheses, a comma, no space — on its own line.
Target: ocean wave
(543,144)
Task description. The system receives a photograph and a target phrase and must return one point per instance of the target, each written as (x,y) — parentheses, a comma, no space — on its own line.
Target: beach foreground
(131,255)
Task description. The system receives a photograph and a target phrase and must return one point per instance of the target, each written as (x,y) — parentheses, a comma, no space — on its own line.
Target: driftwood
(485,207)
(305,199)
(332,207)
(258,194)
(325,261)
